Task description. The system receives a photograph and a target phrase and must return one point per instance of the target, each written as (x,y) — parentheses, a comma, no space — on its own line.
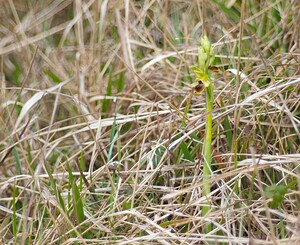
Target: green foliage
(15,75)
(232,13)
(14,216)
(126,205)
(158,154)
(52,76)
(185,150)
(106,102)
(76,198)
(120,82)
(17,160)
(276,193)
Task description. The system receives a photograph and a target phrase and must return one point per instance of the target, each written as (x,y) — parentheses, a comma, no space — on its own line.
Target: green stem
(207,150)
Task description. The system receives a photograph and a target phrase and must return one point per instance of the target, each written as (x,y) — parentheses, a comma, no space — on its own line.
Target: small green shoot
(277,193)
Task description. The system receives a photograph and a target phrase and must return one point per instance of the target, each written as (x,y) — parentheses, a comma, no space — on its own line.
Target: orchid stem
(207,152)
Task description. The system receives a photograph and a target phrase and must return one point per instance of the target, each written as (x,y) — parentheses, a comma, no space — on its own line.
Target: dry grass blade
(93,147)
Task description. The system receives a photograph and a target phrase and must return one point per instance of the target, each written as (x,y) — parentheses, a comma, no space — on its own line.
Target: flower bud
(202,57)
(205,43)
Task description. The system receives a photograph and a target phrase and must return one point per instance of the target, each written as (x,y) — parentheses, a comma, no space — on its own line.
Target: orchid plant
(204,82)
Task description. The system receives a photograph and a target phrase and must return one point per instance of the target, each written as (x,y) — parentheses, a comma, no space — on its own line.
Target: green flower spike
(205,59)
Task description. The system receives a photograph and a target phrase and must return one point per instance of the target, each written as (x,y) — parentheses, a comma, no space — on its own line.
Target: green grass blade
(76,198)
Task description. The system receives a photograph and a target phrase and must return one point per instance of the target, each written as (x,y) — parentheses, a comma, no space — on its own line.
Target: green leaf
(76,198)
(186,151)
(14,216)
(52,76)
(120,82)
(231,13)
(17,160)
(126,205)
(106,102)
(196,69)
(276,192)
(200,74)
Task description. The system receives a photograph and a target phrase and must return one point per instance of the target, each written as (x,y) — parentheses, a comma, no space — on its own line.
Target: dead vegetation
(92,148)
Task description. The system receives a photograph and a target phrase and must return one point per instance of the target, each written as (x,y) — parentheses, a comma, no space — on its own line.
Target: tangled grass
(92,145)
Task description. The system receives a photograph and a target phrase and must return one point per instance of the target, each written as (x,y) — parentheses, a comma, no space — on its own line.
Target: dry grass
(92,149)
